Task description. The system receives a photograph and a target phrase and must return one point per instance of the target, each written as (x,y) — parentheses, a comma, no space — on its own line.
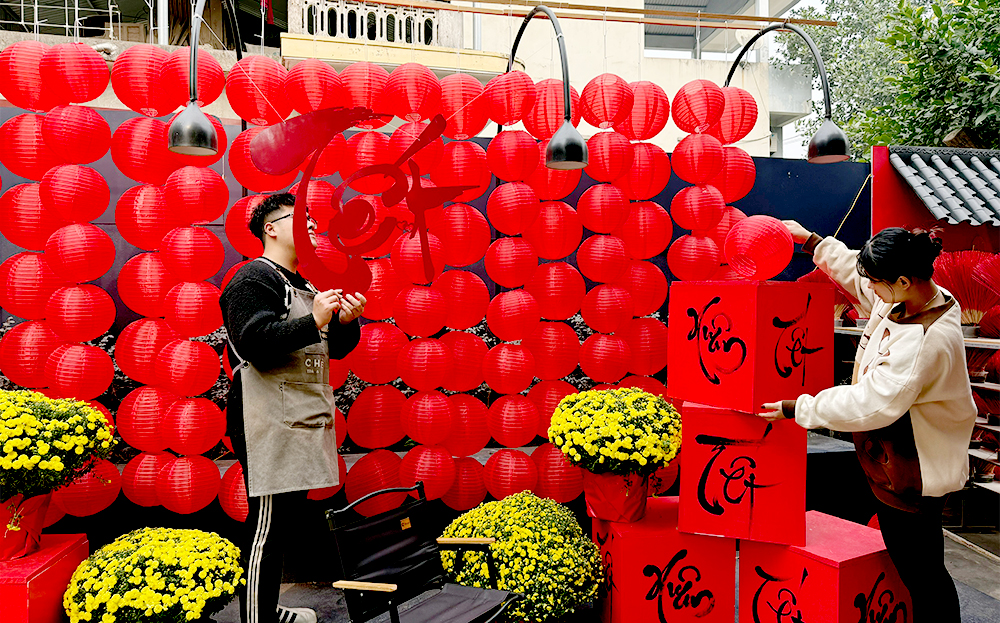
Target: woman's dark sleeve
(342,338)
(254,311)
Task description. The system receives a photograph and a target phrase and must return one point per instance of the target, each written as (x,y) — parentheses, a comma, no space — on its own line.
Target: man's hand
(772,410)
(351,306)
(799,233)
(324,305)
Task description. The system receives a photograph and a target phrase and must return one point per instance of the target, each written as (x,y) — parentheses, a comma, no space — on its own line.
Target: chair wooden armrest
(466,540)
(350,585)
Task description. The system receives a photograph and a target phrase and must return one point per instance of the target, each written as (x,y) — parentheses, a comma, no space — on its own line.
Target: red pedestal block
(655,573)
(842,575)
(738,345)
(31,588)
(741,476)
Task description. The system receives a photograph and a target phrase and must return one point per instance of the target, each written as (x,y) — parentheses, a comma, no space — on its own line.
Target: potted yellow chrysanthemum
(619,437)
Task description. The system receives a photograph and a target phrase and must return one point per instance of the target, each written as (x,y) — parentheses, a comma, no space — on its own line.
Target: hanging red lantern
(21,78)
(606,100)
(25,153)
(413,92)
(80,252)
(739,115)
(373,417)
(386,285)
(29,284)
(140,417)
(199,193)
(698,158)
(469,433)
(556,232)
(319,202)
(468,352)
(143,284)
(464,233)
(142,217)
(426,417)
(509,97)
(138,345)
(420,311)
(24,350)
(192,308)
(237,227)
(693,258)
(137,78)
(546,396)
(508,472)
(509,368)
(77,194)
(332,258)
(647,340)
(188,484)
(463,163)
(465,286)
(647,230)
(698,105)
(648,114)
(602,258)
(80,313)
(193,426)
(697,207)
(139,477)
(602,208)
(512,421)
(233,492)
(718,233)
(512,208)
(425,363)
(408,260)
(256,90)
(607,308)
(558,479)
(552,184)
(468,490)
(374,361)
(139,150)
(737,176)
(510,262)
(187,368)
(605,358)
(431,465)
(177,74)
(326,492)
(365,84)
(25,220)
(373,472)
(512,315)
(647,285)
(367,149)
(759,247)
(313,85)
(559,290)
(403,137)
(247,173)
(339,369)
(92,492)
(463,106)
(548,113)
(209,160)
(192,253)
(648,175)
(512,155)
(74,72)
(79,371)
(645,383)
(330,158)
(610,155)
(77,133)
(556,349)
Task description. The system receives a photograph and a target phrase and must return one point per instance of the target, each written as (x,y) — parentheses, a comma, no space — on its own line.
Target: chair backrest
(395,547)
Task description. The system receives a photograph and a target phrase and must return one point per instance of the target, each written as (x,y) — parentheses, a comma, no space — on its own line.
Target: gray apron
(288,414)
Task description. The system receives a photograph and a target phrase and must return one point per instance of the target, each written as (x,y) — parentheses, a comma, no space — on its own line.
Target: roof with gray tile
(956,185)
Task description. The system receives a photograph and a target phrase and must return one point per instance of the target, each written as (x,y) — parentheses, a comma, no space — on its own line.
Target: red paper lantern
(143,284)
(698,158)
(647,230)
(425,363)
(188,484)
(413,92)
(610,155)
(464,233)
(193,426)
(137,78)
(21,78)
(199,193)
(319,202)
(648,175)
(463,106)
(512,155)
(177,74)
(739,115)
(331,158)
(80,252)
(25,220)
(139,477)
(313,85)
(138,345)
(559,290)
(468,434)
(512,208)
(605,358)
(546,396)
(187,368)
(558,479)
(366,149)
(512,421)
(328,492)
(693,258)
(468,490)
(555,348)
(607,308)
(509,97)
(645,383)
(427,417)
(759,247)
(339,369)
(80,313)
(737,175)
(556,232)
(420,311)
(247,173)
(142,217)
(139,150)
(408,258)
(78,194)
(28,285)
(192,253)
(192,308)
(374,360)
(77,133)
(365,84)
(386,285)
(431,465)
(509,368)
(465,286)
(468,352)
(548,113)
(508,472)
(552,184)
(79,371)
(463,163)
(24,350)
(208,160)
(92,492)
(237,227)
(429,156)
(24,152)
(373,472)
(373,417)
(718,233)
(140,417)
(512,315)
(606,100)
(510,262)
(602,258)
(603,208)
(649,112)
(647,340)
(697,207)
(74,72)
(698,105)
(233,492)
(256,90)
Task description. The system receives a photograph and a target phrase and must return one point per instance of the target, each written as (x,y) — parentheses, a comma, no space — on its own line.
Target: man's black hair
(263,212)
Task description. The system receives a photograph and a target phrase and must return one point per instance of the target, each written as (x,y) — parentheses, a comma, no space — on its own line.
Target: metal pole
(562,51)
(162,22)
(477,29)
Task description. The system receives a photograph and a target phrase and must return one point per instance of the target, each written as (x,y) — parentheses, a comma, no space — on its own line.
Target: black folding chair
(391,558)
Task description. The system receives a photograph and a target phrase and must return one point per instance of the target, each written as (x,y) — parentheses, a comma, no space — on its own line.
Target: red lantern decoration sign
(647,340)
(647,285)
(512,208)
(512,421)
(431,465)
(602,258)
(77,194)
(463,106)
(427,417)
(730,216)
(374,417)
(187,368)
(508,472)
(737,176)
(366,149)
(137,78)
(199,193)
(28,285)
(552,184)
(424,364)
(188,484)
(192,253)
(558,479)
(140,417)
(237,227)
(176,75)
(313,85)
(375,358)
(559,290)
(556,349)
(606,100)
(143,284)
(610,156)
(759,247)
(24,150)
(603,208)
(465,286)
(256,90)
(648,175)
(693,258)
(420,311)
(509,97)
(80,313)
(139,477)
(408,260)
(607,308)
(463,163)
(21,78)
(193,426)
(512,315)
(512,155)
(138,345)
(373,472)
(233,492)
(556,231)
(510,262)
(697,207)
(192,308)
(74,72)
(386,285)
(468,491)
(79,371)
(24,350)
(365,84)
(647,230)
(469,433)
(142,217)
(80,252)
(698,105)
(139,150)
(546,396)
(25,220)
(649,112)
(464,233)
(92,492)
(247,173)
(413,92)
(468,352)
(548,113)
(77,133)
(605,358)
(698,158)
(509,368)
(739,115)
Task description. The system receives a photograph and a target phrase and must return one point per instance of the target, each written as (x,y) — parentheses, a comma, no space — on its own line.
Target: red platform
(741,476)
(31,588)
(842,575)
(740,344)
(655,573)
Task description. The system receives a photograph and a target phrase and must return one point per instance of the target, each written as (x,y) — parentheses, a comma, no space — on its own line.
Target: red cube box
(740,344)
(842,575)
(31,588)
(655,573)
(742,476)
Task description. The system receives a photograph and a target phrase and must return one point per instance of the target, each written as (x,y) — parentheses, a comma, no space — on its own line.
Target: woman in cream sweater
(909,405)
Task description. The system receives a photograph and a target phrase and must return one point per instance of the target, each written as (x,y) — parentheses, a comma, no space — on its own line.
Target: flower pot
(21,522)
(615,498)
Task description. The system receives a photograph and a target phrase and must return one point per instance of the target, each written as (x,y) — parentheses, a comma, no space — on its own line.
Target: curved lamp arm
(191,132)
(541,8)
(196,21)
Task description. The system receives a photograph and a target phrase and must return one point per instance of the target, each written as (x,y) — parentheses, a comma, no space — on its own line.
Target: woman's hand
(772,410)
(799,233)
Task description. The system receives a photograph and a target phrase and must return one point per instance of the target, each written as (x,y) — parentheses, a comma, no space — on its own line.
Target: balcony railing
(71,18)
(379,23)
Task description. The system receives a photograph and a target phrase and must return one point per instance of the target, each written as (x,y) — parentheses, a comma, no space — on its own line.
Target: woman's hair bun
(925,246)
(895,252)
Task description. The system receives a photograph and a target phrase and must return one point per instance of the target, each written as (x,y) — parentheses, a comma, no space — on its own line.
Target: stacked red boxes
(31,588)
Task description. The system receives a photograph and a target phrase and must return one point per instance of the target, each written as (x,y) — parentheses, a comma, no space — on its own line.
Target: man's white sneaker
(296,615)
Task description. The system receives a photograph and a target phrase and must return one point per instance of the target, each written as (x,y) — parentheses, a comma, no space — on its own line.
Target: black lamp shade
(191,133)
(829,144)
(566,149)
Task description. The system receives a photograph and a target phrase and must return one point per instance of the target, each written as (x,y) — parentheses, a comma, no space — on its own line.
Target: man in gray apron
(282,334)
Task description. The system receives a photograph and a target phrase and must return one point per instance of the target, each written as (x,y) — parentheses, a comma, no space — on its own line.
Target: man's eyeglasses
(308,218)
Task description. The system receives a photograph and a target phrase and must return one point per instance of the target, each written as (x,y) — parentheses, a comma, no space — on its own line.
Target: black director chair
(391,558)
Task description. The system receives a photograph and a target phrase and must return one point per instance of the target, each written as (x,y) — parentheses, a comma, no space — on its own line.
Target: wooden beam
(350,585)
